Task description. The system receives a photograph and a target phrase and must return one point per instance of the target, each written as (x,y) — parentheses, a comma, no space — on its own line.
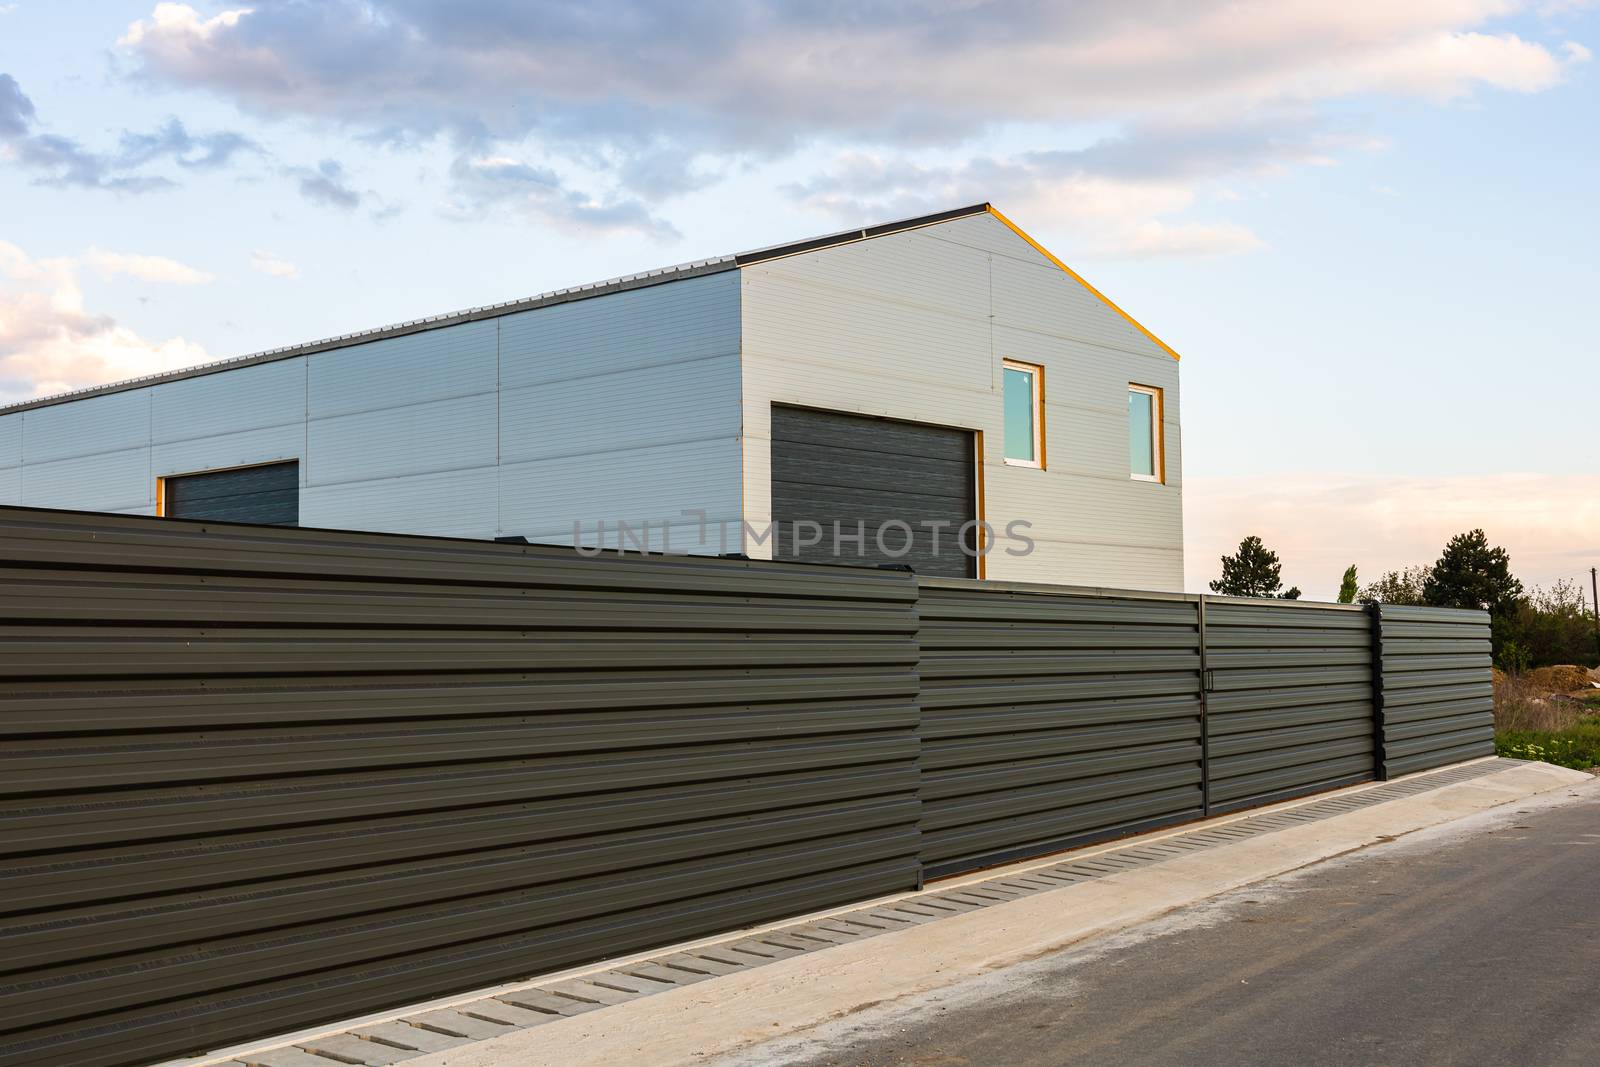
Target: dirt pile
(1560,679)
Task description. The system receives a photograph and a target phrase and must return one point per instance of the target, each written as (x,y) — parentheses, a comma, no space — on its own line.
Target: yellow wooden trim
(161,497)
(1045,252)
(1161,431)
(982,568)
(1044,449)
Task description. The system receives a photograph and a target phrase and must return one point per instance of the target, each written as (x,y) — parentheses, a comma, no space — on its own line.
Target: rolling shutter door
(267,495)
(829,467)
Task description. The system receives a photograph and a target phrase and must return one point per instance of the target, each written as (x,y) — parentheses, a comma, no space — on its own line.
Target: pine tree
(1470,574)
(1347,588)
(1253,571)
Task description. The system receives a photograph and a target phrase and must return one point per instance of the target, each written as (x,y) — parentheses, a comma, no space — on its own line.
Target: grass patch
(1532,723)
(1577,746)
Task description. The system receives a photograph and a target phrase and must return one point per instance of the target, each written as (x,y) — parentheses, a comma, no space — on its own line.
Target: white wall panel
(11,440)
(434,365)
(915,326)
(11,458)
(621,409)
(109,423)
(674,323)
(108,481)
(542,500)
(266,444)
(442,435)
(246,398)
(446,504)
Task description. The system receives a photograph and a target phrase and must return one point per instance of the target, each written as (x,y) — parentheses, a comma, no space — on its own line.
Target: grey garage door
(904,484)
(268,494)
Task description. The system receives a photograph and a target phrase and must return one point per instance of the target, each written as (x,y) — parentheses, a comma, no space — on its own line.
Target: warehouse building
(940,392)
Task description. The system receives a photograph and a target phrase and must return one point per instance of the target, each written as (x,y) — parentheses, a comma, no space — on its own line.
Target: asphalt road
(1475,943)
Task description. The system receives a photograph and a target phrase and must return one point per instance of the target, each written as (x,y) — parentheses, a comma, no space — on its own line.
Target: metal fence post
(1205,729)
(1380,760)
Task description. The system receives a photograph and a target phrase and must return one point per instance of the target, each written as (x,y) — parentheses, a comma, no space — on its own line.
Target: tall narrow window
(1144,433)
(1024,406)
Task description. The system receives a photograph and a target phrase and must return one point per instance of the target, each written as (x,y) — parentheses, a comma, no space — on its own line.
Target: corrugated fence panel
(1438,700)
(1289,708)
(252,779)
(1052,719)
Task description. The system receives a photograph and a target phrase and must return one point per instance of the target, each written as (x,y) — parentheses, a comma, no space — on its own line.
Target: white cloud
(768,72)
(660,99)
(145,268)
(536,192)
(1321,523)
(178,26)
(50,343)
(1442,67)
(267,263)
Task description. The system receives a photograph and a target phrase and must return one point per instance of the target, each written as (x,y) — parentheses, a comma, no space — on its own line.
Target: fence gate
(1289,706)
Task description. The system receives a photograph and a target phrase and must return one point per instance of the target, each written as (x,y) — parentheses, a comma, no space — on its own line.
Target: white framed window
(1146,459)
(1023,388)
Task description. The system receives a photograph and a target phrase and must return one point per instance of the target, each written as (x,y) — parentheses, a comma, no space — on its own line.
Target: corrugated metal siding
(1051,719)
(1438,700)
(11,459)
(914,326)
(97,425)
(217,405)
(1290,707)
(619,407)
(253,778)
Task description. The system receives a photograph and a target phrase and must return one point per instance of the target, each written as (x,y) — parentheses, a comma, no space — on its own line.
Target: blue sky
(1369,227)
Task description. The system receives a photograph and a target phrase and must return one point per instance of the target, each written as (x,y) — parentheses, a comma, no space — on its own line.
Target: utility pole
(1594,587)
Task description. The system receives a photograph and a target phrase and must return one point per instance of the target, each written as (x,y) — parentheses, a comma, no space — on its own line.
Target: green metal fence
(1436,699)
(254,779)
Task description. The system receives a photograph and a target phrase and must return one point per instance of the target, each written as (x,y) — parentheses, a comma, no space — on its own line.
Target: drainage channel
(441,1029)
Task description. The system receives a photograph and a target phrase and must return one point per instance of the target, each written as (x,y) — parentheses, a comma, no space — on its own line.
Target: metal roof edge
(761,255)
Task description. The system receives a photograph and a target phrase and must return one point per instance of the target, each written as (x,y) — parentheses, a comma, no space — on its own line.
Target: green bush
(1547,627)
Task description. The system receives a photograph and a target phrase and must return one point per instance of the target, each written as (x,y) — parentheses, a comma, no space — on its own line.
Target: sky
(1369,228)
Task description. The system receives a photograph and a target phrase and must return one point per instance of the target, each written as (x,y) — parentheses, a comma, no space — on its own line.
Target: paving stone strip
(439,1029)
